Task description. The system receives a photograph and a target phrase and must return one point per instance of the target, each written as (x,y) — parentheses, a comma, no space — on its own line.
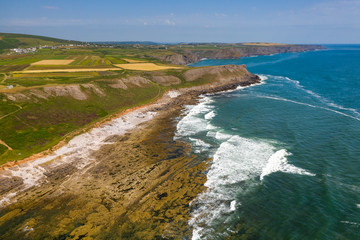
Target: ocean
(285,153)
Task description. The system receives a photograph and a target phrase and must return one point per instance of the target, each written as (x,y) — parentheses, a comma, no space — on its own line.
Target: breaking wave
(236,160)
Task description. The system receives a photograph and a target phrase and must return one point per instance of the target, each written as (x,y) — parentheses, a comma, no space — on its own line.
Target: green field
(9,40)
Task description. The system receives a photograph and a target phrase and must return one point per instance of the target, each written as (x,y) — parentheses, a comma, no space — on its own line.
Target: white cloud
(169,22)
(220,15)
(50,7)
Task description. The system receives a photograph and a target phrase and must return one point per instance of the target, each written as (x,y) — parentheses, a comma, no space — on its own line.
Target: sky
(281,21)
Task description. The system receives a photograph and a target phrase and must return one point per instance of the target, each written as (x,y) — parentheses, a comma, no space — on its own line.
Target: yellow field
(53,62)
(69,70)
(144,66)
(132,60)
(263,44)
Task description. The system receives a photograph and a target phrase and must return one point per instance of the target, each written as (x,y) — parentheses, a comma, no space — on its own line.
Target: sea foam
(238,164)
(278,163)
(238,160)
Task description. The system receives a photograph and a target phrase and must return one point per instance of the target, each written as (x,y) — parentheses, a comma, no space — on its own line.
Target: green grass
(10,40)
(47,75)
(8,43)
(42,124)
(114,59)
(7,108)
(19,61)
(64,79)
(3,149)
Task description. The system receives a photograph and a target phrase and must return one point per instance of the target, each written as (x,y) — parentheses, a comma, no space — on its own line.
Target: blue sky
(283,21)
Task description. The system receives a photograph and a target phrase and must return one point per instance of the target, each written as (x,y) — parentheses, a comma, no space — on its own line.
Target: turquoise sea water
(286,153)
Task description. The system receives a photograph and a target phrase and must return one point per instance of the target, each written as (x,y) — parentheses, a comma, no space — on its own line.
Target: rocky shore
(135,183)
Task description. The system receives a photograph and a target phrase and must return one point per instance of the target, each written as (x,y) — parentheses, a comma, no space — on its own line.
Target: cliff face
(224,73)
(82,92)
(192,56)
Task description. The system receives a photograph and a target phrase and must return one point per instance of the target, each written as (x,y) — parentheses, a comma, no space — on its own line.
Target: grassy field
(8,40)
(145,66)
(53,62)
(48,75)
(41,124)
(133,60)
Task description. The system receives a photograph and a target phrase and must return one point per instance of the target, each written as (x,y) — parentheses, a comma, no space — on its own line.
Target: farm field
(145,66)
(53,62)
(69,70)
(132,60)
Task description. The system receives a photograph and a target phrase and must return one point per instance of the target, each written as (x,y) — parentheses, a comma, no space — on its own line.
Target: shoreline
(173,175)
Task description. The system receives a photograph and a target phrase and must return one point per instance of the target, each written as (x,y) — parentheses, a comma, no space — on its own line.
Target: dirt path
(20,108)
(3,143)
(5,77)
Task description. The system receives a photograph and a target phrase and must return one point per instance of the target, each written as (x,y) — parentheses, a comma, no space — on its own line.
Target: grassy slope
(11,40)
(43,123)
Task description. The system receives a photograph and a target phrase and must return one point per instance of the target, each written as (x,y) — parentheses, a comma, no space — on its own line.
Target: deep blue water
(286,153)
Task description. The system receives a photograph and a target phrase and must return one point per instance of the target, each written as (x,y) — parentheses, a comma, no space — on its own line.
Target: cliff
(191,56)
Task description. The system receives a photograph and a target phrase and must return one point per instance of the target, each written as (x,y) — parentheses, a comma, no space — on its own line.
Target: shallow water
(286,153)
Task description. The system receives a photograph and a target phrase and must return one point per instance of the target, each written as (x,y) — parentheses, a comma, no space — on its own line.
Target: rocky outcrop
(117,83)
(79,92)
(180,59)
(166,80)
(192,56)
(136,80)
(218,73)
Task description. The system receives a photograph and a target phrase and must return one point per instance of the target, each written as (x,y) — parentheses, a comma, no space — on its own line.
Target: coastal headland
(90,154)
